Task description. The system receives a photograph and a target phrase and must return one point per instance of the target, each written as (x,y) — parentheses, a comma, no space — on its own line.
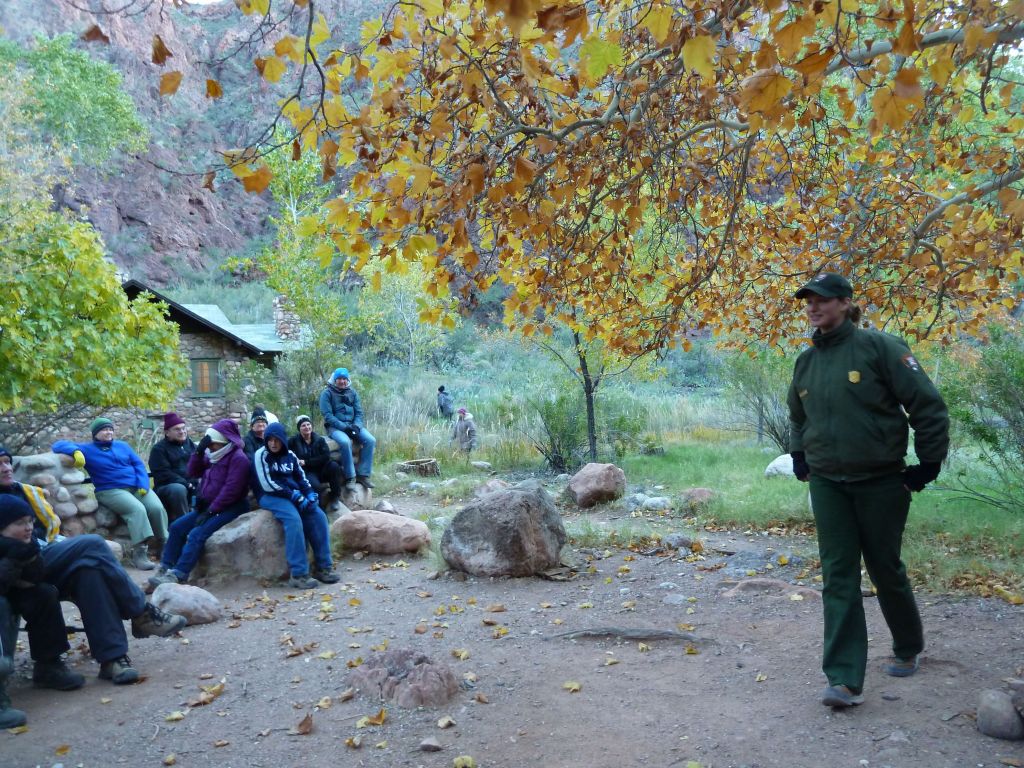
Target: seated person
(281,486)
(167,461)
(87,574)
(257,428)
(315,458)
(221,466)
(343,420)
(22,583)
(122,485)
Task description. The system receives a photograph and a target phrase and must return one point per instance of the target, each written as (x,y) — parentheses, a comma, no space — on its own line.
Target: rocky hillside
(155,215)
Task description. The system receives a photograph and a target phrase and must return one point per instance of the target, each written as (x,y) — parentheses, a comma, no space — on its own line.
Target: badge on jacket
(911,362)
(854,377)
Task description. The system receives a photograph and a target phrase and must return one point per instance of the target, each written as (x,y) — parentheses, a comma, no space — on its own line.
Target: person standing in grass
(464,431)
(852,396)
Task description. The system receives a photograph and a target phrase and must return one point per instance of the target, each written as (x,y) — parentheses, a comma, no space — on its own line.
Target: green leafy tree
(79,101)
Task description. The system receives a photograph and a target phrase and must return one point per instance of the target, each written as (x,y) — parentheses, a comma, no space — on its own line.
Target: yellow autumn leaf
(463,761)
(446,722)
(460,653)
(658,22)
(572,686)
(761,677)
(698,56)
(320,32)
(763,90)
(175,716)
(169,82)
(610,662)
(354,602)
(273,69)
(170,759)
(354,742)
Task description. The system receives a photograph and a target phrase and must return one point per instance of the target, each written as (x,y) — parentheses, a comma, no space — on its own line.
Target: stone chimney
(286,322)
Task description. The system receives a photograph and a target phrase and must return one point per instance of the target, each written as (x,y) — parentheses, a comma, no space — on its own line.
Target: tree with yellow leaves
(635,170)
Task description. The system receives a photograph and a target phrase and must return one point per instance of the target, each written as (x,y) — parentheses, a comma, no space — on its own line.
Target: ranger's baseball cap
(829,285)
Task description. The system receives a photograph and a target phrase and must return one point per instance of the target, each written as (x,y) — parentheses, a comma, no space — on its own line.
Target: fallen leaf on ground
(585,605)
(175,716)
(572,686)
(495,608)
(347,695)
(446,722)
(106,700)
(460,653)
(62,750)
(470,677)
(761,677)
(354,742)
(692,650)
(354,602)
(545,605)
(327,655)
(643,647)
(610,662)
(463,761)
(353,663)
(424,594)
(796,597)
(221,743)
(481,699)
(324,703)
(206,676)
(380,745)
(304,727)
(499,632)
(170,759)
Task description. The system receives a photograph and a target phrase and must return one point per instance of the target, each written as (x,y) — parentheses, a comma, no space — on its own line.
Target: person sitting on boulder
(343,420)
(281,487)
(85,571)
(257,429)
(168,460)
(315,458)
(122,486)
(222,468)
(22,583)
(464,431)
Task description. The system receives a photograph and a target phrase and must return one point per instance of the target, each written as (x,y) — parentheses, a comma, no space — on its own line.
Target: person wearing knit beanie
(13,508)
(315,459)
(254,438)
(343,421)
(100,424)
(168,461)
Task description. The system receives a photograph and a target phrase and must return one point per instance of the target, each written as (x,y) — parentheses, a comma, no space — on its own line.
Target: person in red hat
(168,462)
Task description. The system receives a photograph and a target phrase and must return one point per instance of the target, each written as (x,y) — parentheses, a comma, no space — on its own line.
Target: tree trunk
(589,387)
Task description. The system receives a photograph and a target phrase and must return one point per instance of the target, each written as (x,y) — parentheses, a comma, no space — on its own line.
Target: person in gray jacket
(343,422)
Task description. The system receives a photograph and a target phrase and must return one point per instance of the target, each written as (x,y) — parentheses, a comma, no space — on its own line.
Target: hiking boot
(840,697)
(153,621)
(326,575)
(167,577)
(901,667)
(9,716)
(350,483)
(56,675)
(364,480)
(119,671)
(140,557)
(302,582)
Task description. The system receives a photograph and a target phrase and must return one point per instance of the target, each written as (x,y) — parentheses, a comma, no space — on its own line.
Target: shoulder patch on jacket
(911,362)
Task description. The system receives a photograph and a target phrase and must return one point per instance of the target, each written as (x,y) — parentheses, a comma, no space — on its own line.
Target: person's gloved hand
(10,572)
(205,443)
(800,468)
(312,497)
(140,492)
(297,498)
(79,459)
(915,478)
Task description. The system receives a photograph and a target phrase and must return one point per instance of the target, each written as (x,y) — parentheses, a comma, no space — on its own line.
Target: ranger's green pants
(854,519)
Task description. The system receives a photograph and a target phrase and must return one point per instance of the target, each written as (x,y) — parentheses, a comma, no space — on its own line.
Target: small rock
(115,549)
(780,467)
(484,465)
(675,599)
(668,585)
(449,482)
(657,503)
(562,478)
(386,506)
(678,541)
(417,486)
(430,744)
(491,486)
(401,475)
(194,603)
(891,696)
(998,717)
(72,477)
(899,736)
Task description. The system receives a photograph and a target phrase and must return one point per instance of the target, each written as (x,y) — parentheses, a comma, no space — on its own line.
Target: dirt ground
(745,693)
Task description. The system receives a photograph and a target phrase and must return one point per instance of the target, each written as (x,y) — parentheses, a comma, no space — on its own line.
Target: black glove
(800,468)
(204,444)
(915,478)
(352,432)
(10,572)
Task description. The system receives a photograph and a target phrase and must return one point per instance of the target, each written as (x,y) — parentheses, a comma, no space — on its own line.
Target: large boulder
(381,533)
(197,605)
(511,532)
(595,483)
(780,467)
(252,545)
(406,677)
(997,716)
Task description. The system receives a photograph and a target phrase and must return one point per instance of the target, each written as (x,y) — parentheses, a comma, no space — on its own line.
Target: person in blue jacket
(281,486)
(343,422)
(122,485)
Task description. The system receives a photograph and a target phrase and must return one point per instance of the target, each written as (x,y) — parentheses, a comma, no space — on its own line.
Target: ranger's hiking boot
(840,697)
(364,480)
(897,667)
(56,676)
(326,575)
(9,716)
(119,671)
(140,557)
(167,577)
(302,582)
(153,621)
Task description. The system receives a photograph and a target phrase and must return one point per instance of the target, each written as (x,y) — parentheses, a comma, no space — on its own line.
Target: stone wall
(70,496)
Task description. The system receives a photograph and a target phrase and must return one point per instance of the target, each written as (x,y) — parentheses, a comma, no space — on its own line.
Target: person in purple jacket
(222,468)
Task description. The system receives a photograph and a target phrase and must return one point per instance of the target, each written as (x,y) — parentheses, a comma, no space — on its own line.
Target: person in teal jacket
(854,394)
(122,485)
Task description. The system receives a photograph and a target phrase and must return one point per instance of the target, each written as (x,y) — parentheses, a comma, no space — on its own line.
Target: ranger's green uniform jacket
(845,406)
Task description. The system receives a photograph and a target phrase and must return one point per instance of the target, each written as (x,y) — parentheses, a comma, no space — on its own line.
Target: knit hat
(5,452)
(13,508)
(302,420)
(829,285)
(462,411)
(172,420)
(441,388)
(340,373)
(216,436)
(276,430)
(99,424)
(258,414)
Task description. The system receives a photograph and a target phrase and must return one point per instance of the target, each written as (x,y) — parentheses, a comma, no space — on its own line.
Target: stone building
(211,346)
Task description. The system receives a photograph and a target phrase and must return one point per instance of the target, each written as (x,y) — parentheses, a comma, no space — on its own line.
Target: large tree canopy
(634,169)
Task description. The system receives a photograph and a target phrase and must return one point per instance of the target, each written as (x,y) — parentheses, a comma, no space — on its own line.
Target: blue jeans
(186,540)
(367,443)
(299,527)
